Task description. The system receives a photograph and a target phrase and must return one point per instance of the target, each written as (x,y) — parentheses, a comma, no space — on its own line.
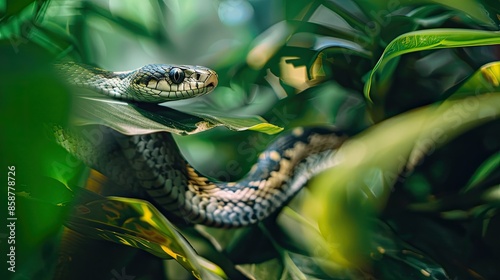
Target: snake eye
(176,75)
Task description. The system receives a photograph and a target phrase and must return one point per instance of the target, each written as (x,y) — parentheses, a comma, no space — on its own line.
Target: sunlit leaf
(138,224)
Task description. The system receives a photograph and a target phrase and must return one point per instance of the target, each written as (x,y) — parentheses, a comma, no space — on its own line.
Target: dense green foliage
(415,194)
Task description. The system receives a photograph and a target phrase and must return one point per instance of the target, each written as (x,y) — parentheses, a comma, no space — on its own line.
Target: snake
(152,164)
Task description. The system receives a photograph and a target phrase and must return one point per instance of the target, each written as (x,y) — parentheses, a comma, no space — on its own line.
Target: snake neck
(282,170)
(113,84)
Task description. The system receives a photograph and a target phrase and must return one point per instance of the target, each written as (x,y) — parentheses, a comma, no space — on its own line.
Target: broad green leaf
(132,119)
(431,39)
(136,223)
(370,163)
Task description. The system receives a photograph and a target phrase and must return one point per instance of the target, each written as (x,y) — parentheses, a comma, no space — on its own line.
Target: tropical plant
(415,194)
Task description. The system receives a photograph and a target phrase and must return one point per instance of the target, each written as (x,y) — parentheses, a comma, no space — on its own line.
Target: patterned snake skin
(153,164)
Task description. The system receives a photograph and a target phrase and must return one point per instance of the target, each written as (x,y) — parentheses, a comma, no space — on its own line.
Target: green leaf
(419,41)
(492,164)
(136,223)
(370,163)
(140,23)
(300,235)
(389,256)
(486,79)
(305,35)
(350,13)
(16,7)
(430,16)
(132,119)
(394,259)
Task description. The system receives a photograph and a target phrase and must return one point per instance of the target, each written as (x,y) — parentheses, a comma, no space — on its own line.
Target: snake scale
(153,164)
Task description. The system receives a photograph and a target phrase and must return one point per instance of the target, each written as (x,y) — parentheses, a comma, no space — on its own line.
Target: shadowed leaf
(419,41)
(133,119)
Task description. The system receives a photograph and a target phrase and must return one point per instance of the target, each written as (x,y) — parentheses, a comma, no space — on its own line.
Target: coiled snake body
(153,163)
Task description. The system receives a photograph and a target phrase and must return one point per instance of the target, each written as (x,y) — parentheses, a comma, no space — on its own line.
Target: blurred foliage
(415,194)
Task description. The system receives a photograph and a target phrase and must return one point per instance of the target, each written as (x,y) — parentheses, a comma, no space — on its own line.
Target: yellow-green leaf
(136,223)
(486,79)
(370,163)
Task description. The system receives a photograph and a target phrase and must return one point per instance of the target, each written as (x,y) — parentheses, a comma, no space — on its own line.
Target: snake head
(156,83)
